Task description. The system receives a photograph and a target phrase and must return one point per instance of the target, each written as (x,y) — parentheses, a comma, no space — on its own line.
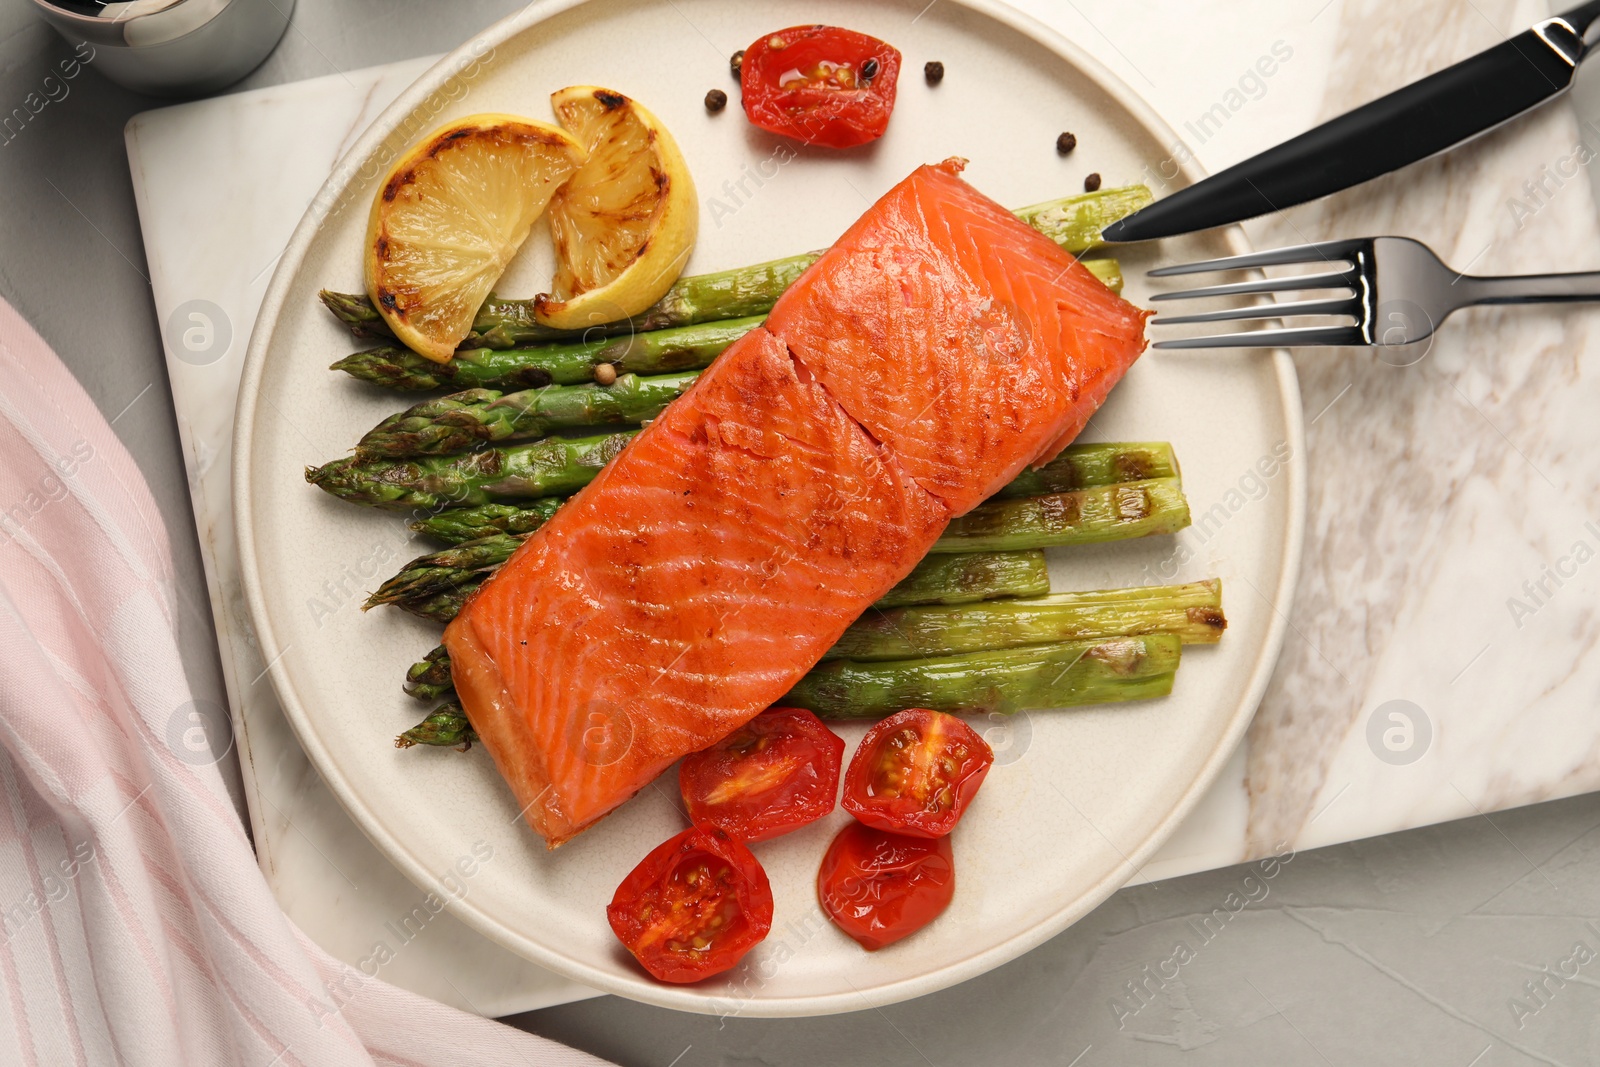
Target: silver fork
(1394,290)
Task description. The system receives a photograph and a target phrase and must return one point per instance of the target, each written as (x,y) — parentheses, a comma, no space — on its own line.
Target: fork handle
(1534,289)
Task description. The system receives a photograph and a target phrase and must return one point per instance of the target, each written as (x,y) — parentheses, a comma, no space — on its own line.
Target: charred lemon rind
(625,223)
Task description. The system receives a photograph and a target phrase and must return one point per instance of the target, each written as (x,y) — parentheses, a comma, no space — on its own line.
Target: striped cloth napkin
(137,928)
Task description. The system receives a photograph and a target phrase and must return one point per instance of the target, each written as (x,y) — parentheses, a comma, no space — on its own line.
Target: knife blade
(1423,119)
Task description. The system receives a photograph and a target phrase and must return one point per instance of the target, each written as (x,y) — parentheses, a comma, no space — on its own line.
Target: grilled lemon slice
(625,223)
(450,215)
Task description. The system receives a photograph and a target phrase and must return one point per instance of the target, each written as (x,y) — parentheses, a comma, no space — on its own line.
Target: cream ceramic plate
(1079,799)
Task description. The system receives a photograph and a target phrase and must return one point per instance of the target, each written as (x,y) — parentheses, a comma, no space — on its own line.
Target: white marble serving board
(1399,592)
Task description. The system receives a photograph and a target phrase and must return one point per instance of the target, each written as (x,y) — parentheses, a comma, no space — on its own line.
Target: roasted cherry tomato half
(820,84)
(879,887)
(693,907)
(915,773)
(774,774)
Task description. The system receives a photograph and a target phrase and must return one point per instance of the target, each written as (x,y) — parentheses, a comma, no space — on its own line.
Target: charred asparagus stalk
(1087,465)
(445,726)
(429,677)
(569,363)
(991,676)
(458,567)
(436,586)
(1080,517)
(1078,467)
(464,420)
(573,362)
(1192,612)
(1068,675)
(1064,675)
(1076,223)
(555,466)
(455,525)
(969,578)
(927,627)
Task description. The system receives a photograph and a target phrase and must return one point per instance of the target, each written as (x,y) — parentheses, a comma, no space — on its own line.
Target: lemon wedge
(626,221)
(449,216)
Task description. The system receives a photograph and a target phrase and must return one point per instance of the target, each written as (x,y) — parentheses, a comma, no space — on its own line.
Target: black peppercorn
(716,100)
(869,70)
(736,62)
(1091,183)
(933,71)
(1066,143)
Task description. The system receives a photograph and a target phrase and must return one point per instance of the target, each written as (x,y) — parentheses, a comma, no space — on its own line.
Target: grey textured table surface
(1441,946)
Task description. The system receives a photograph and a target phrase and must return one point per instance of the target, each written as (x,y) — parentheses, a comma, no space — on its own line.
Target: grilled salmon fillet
(689,585)
(938,349)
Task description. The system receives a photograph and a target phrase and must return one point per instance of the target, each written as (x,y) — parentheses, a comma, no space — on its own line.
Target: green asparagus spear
(455,525)
(751,291)
(729,294)
(1081,517)
(1064,675)
(1083,466)
(969,578)
(1078,467)
(355,310)
(429,678)
(1075,223)
(468,563)
(554,466)
(568,363)
(1109,271)
(463,420)
(572,362)
(460,421)
(446,726)
(1073,674)
(436,586)
(1192,612)
(445,604)
(936,580)
(696,299)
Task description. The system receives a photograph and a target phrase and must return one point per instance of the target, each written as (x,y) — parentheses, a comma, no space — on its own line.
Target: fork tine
(1278,257)
(1297,337)
(1344,279)
(1339,306)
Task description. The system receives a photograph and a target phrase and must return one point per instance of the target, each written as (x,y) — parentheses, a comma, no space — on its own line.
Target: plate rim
(686,998)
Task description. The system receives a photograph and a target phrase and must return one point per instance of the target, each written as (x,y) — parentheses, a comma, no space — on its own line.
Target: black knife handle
(1427,117)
